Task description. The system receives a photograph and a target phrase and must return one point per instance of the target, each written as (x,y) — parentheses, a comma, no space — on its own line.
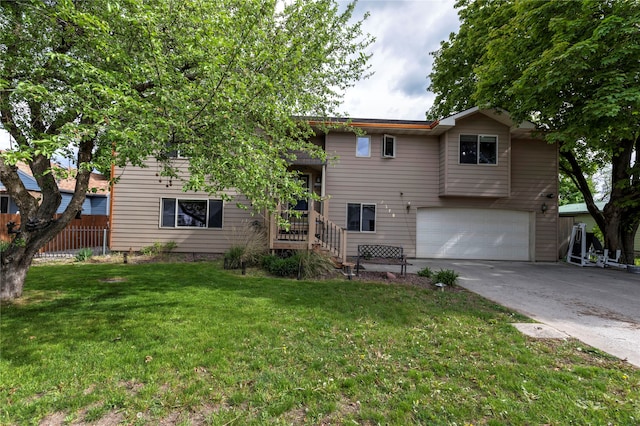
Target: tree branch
(577,175)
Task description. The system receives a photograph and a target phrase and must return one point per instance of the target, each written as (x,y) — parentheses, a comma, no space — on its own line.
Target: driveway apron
(600,307)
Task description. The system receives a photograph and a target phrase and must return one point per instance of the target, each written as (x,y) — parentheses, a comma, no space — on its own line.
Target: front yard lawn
(190,343)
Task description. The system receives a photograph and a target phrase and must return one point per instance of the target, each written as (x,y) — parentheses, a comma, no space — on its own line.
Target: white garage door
(473,234)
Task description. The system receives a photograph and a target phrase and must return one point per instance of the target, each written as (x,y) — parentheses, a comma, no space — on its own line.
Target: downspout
(111,192)
(323,189)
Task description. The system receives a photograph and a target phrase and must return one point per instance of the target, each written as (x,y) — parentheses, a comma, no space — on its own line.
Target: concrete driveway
(600,307)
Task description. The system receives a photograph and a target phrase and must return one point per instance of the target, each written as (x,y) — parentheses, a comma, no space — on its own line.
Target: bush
(84,254)
(158,248)
(314,264)
(282,267)
(248,245)
(305,264)
(425,272)
(234,257)
(4,245)
(446,276)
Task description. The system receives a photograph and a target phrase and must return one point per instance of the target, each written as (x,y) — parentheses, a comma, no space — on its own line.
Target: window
(361,217)
(363,146)
(177,213)
(478,149)
(388,146)
(4,204)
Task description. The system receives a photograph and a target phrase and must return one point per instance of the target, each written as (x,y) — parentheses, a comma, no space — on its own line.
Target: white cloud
(406,32)
(5,140)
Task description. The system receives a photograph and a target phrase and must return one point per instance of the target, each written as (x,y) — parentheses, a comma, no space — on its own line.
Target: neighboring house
(96,203)
(475,185)
(579,213)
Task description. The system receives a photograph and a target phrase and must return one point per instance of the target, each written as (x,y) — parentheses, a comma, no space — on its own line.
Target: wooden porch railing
(310,230)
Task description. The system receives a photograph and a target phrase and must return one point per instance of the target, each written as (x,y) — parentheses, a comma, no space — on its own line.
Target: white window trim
(478,136)
(375,218)
(369,152)
(395,146)
(175,214)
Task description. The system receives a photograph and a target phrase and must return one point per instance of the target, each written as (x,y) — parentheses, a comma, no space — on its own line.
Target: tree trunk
(14,266)
(619,232)
(16,260)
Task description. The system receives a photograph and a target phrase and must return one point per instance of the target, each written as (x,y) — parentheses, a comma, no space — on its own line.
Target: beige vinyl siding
(390,183)
(476,180)
(136,215)
(534,174)
(443,163)
(415,176)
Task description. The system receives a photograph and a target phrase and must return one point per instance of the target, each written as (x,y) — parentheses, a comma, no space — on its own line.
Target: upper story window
(4,204)
(178,213)
(363,146)
(478,149)
(361,217)
(388,146)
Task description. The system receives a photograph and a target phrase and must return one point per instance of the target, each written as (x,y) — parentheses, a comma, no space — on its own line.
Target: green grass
(192,343)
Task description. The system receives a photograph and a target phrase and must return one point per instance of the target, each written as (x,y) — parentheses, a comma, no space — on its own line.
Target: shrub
(446,276)
(248,245)
(234,257)
(4,245)
(158,248)
(84,254)
(282,267)
(314,264)
(425,272)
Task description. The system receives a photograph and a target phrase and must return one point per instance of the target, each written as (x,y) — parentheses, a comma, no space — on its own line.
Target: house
(96,203)
(475,185)
(575,213)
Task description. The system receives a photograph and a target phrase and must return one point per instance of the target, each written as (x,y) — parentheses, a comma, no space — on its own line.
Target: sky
(406,31)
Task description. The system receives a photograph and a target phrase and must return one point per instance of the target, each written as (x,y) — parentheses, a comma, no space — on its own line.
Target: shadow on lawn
(66,304)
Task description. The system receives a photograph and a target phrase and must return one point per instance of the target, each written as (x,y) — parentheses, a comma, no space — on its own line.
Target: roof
(578,208)
(431,127)
(497,114)
(96,180)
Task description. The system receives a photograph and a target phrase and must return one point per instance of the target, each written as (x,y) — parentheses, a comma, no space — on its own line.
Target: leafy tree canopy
(118,81)
(219,80)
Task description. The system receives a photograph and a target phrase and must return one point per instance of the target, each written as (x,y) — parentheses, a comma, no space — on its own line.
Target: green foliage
(234,257)
(314,264)
(4,245)
(307,264)
(102,82)
(84,254)
(249,246)
(425,272)
(219,82)
(282,266)
(158,248)
(446,276)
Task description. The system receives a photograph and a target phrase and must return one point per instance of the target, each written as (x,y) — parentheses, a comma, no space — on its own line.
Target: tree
(571,67)
(118,81)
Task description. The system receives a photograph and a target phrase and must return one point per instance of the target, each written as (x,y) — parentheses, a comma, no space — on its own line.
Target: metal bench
(382,254)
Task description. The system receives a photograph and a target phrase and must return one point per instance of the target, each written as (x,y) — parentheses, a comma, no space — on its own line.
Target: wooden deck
(309,231)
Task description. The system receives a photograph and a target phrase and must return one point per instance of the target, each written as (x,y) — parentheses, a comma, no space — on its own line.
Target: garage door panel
(473,234)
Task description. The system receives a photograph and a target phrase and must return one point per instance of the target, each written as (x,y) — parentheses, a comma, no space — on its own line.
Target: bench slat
(381,252)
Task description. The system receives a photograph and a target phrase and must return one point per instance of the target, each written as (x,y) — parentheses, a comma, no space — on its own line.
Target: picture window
(179,213)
